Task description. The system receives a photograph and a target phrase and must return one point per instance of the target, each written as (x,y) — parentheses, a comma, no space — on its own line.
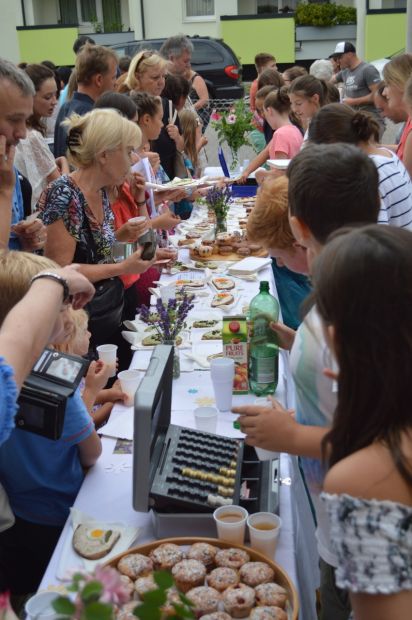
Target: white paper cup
(129,382)
(231,523)
(206,419)
(39,606)
(264,455)
(108,353)
(222,372)
(264,530)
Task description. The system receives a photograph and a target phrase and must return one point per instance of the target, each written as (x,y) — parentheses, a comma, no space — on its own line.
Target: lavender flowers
(169,319)
(218,199)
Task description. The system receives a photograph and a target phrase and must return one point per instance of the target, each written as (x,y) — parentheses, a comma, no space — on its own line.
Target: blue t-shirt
(8,400)
(17,213)
(42,477)
(293,288)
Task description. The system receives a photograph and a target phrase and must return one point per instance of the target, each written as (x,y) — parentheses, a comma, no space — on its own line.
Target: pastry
(223,284)
(203,552)
(203,325)
(222,299)
(155,339)
(205,250)
(165,556)
(126,611)
(214,334)
(222,578)
(188,574)
(93,542)
(254,248)
(271,594)
(182,242)
(268,613)
(205,600)
(225,249)
(128,584)
(216,615)
(255,573)
(135,565)
(193,235)
(143,585)
(239,600)
(232,557)
(243,251)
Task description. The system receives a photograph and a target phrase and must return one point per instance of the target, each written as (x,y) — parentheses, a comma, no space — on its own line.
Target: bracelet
(54,276)
(141,203)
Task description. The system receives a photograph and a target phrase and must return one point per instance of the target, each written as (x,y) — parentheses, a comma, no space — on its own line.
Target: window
(205,54)
(199,9)
(88,10)
(267,6)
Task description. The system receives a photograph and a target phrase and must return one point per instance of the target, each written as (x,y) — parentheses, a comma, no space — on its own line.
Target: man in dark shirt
(96,70)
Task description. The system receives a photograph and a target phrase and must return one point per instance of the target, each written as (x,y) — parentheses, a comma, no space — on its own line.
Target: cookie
(135,565)
(255,573)
(271,594)
(205,600)
(203,552)
(232,558)
(239,600)
(165,556)
(188,574)
(222,578)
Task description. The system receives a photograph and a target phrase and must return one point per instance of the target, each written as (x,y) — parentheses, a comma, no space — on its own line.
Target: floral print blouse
(373,542)
(64,200)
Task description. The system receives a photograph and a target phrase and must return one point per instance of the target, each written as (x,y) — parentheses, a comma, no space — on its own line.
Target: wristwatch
(55,276)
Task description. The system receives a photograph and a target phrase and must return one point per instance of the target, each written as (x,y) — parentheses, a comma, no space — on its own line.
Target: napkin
(70,559)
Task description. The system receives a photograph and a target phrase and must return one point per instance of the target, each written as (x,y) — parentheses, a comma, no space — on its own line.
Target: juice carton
(235,346)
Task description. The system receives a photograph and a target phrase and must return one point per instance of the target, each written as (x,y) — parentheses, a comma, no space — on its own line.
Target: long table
(106,493)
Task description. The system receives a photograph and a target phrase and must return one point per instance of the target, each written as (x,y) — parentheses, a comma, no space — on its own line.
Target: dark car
(212,59)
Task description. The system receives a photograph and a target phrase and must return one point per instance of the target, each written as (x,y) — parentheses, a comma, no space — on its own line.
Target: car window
(205,54)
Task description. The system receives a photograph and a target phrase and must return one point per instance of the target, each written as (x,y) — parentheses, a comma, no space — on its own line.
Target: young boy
(268,225)
(329,187)
(41,477)
(263,61)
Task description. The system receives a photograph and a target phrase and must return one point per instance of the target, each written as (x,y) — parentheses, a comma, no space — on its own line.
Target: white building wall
(10,17)
(165,18)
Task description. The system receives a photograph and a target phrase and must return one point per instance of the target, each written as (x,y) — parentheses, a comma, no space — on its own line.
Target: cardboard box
(235,346)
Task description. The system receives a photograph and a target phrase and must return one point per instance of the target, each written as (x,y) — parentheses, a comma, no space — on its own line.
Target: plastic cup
(222,372)
(264,455)
(264,530)
(129,382)
(108,353)
(206,419)
(231,523)
(39,606)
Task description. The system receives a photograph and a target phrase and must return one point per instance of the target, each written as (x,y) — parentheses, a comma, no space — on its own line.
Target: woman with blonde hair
(77,213)
(396,73)
(147,73)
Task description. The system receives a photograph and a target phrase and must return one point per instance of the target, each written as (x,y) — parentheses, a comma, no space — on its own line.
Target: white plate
(279,164)
(249,266)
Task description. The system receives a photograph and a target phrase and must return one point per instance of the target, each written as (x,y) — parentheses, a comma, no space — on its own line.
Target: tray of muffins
(222,580)
(227,246)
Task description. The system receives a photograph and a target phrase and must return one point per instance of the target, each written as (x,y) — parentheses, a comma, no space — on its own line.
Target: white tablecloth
(106,493)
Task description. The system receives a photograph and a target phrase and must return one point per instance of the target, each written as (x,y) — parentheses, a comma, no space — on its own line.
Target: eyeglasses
(144,56)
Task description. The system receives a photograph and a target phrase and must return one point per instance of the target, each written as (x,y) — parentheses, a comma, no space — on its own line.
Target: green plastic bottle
(264,350)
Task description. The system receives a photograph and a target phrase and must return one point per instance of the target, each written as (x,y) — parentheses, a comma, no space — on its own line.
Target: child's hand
(286,335)
(270,428)
(97,376)
(173,132)
(114,394)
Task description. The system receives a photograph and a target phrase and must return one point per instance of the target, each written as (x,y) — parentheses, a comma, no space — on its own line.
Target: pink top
(286,139)
(400,151)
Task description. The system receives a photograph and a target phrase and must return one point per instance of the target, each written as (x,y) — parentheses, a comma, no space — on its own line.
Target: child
(99,402)
(41,477)
(268,225)
(193,140)
(345,193)
(337,122)
(369,448)
(307,95)
(263,61)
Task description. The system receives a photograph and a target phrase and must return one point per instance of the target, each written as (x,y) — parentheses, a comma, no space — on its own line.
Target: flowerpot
(176,358)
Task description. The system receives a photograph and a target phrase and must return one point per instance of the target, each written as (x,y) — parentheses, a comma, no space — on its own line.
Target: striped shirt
(395,191)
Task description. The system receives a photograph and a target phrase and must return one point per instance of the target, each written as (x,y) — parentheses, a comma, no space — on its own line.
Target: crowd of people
(337,225)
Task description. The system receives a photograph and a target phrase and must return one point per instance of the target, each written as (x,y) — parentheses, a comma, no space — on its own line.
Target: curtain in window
(68,12)
(112,15)
(89,13)
(199,8)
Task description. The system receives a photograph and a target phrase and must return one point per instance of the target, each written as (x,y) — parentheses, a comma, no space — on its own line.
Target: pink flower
(114,590)
(231,119)
(215,116)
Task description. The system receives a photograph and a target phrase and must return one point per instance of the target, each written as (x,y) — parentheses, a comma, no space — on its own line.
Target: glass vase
(176,358)
(220,225)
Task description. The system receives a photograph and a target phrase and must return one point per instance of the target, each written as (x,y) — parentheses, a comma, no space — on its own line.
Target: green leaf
(91,591)
(185,600)
(155,598)
(147,612)
(64,606)
(98,611)
(107,535)
(163,579)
